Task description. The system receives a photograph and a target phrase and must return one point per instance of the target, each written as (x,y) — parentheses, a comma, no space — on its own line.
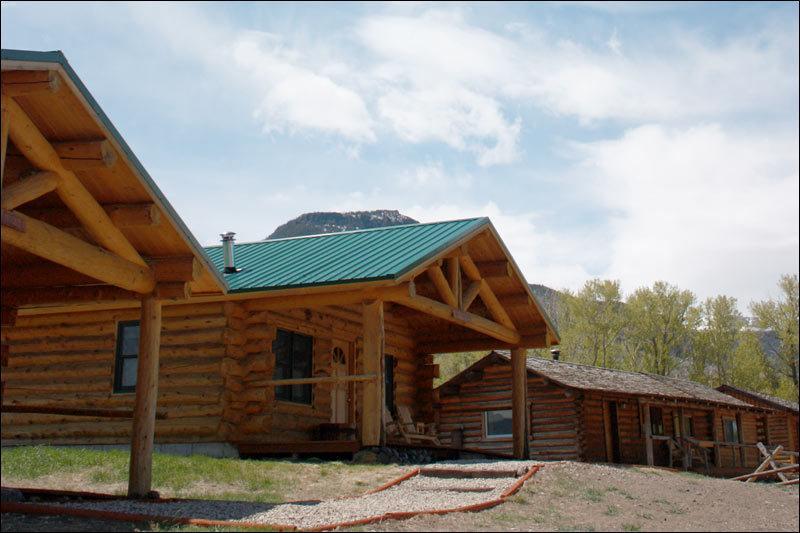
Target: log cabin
(587,413)
(782,426)
(119,329)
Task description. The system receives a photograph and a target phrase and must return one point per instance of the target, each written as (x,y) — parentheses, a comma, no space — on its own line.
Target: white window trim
(486,426)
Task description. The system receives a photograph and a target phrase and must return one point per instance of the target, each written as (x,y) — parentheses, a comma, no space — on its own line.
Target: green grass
(611,510)
(631,527)
(232,479)
(593,495)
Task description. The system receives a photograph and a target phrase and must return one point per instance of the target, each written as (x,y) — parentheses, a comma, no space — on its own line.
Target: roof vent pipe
(227,252)
(556,353)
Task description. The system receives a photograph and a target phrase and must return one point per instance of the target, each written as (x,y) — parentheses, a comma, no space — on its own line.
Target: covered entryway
(83,224)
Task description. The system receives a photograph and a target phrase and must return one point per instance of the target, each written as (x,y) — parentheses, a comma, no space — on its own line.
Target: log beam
(373,393)
(454,280)
(121,215)
(519,402)
(462,318)
(80,155)
(144,411)
(25,82)
(38,150)
(442,286)
(495,269)
(60,247)
(30,188)
(486,293)
(470,294)
(339,298)
(477,345)
(4,140)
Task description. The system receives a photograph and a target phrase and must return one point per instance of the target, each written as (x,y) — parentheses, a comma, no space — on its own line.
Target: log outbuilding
(588,413)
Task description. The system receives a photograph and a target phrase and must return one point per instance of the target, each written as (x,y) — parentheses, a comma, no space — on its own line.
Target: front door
(339,367)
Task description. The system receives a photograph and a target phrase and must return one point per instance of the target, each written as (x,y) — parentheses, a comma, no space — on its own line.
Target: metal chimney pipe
(227,252)
(556,353)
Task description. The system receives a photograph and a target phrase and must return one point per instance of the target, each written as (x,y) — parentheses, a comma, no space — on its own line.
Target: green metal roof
(336,258)
(58,57)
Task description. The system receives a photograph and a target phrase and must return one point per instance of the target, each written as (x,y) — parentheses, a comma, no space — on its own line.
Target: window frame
(119,358)
(657,422)
(735,423)
(308,389)
(485,417)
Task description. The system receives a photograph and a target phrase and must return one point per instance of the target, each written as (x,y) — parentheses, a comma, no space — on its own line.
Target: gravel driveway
(447,485)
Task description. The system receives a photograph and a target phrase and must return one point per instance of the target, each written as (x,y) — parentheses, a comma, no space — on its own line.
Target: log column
(374,341)
(144,413)
(519,399)
(648,433)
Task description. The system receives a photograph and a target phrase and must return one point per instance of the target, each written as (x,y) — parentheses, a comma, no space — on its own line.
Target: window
(688,426)
(656,421)
(497,423)
(293,358)
(730,429)
(126,356)
(388,381)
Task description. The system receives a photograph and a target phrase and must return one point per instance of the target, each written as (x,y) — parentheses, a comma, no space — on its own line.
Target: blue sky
(622,140)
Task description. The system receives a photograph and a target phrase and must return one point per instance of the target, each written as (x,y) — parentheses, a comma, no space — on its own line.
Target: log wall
(554,414)
(68,360)
(216,360)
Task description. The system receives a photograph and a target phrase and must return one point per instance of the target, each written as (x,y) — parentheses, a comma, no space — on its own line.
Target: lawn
(197,476)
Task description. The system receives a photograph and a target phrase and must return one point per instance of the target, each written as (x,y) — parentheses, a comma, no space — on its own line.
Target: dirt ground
(587,497)
(560,497)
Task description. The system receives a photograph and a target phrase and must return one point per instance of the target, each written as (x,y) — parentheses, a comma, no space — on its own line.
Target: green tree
(660,324)
(594,322)
(781,315)
(716,340)
(748,368)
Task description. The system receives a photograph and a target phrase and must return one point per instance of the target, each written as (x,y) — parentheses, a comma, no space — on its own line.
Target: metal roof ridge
(348,232)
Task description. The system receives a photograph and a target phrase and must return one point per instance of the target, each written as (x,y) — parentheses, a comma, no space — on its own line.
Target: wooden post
(374,340)
(648,434)
(687,458)
(740,431)
(715,436)
(4,140)
(144,412)
(519,399)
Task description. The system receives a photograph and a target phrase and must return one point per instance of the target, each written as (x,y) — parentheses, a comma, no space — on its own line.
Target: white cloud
(703,207)
(433,177)
(543,256)
(297,98)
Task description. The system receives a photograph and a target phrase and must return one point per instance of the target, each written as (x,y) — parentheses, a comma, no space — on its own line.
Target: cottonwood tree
(781,316)
(660,324)
(594,322)
(716,340)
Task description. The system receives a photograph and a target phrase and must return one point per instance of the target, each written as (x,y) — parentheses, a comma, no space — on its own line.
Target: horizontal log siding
(255,416)
(554,424)
(68,360)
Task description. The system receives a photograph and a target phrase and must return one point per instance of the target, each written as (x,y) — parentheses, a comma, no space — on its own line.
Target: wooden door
(611,426)
(339,392)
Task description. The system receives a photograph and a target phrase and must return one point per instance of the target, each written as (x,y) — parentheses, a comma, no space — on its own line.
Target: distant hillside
(549,298)
(316,223)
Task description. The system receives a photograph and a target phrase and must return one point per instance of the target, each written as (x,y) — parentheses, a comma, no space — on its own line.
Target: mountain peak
(333,222)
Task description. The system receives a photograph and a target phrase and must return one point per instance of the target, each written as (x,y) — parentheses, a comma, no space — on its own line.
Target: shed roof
(337,258)
(593,378)
(774,401)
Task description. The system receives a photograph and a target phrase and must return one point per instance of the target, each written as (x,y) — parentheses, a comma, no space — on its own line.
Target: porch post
(648,433)
(687,460)
(740,431)
(715,436)
(374,339)
(519,399)
(144,412)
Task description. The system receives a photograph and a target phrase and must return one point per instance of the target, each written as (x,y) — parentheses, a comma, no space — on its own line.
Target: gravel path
(420,493)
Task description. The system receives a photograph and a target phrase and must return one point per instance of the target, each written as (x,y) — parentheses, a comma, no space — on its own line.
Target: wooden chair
(418,431)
